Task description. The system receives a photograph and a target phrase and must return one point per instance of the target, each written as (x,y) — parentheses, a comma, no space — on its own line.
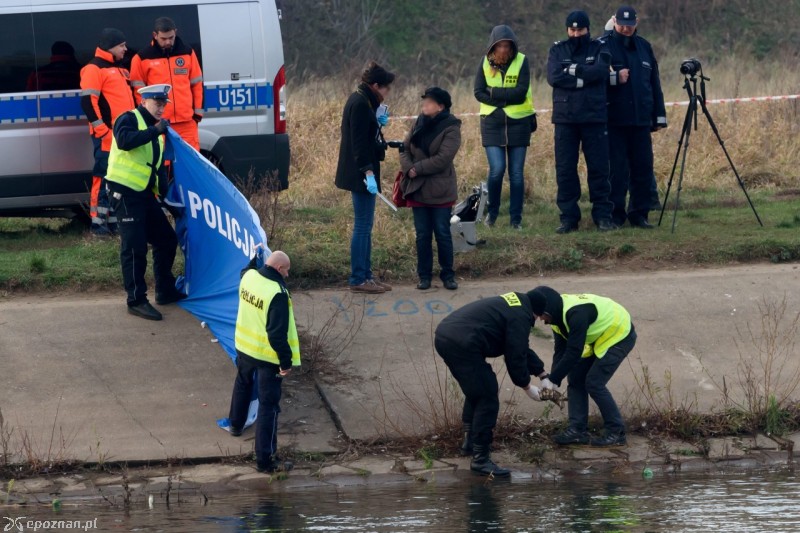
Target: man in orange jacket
(105,95)
(169,60)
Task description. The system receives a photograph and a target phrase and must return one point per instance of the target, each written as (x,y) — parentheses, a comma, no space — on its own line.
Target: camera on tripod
(400,145)
(691,66)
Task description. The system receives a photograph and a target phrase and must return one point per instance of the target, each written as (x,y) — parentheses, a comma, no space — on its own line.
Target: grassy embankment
(715,225)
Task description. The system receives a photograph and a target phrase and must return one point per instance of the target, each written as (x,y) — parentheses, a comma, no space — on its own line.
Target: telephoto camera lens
(690,67)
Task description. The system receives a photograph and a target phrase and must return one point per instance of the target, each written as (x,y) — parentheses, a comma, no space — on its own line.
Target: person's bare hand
(623,75)
(284,373)
(412,173)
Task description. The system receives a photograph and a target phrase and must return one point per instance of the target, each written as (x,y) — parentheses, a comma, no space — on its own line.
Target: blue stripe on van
(64,106)
(67,105)
(18,109)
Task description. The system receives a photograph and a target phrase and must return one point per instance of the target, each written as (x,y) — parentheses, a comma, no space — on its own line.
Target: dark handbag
(397,192)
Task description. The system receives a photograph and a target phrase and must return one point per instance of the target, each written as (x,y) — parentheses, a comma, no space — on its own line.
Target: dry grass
(761,137)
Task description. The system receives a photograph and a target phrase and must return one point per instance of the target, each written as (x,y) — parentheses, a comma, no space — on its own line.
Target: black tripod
(690,84)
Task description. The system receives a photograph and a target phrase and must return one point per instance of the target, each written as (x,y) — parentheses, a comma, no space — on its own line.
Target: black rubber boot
(466,446)
(482,462)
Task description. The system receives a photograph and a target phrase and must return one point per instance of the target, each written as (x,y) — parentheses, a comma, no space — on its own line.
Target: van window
(66,40)
(16,52)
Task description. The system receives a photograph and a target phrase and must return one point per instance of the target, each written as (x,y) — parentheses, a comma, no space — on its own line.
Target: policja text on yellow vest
(495,79)
(255,295)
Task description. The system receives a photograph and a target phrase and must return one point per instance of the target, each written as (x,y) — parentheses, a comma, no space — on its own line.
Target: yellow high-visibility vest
(496,79)
(255,294)
(132,168)
(612,325)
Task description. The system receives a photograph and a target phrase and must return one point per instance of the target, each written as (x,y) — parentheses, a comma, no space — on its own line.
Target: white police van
(45,149)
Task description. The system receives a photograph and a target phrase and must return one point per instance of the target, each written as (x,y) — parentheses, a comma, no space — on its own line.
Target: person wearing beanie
(578,71)
(593,335)
(361,150)
(62,73)
(488,328)
(508,119)
(170,60)
(636,109)
(105,95)
(429,183)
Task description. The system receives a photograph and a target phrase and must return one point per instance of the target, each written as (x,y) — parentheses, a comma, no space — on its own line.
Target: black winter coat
(579,79)
(640,101)
(495,326)
(498,129)
(361,148)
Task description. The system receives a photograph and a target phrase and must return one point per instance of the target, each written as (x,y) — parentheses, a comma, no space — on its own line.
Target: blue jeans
(429,222)
(516,179)
(252,373)
(361,243)
(589,378)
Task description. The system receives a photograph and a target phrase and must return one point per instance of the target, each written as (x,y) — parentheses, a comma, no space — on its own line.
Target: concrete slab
(117,388)
(727,448)
(391,381)
(110,386)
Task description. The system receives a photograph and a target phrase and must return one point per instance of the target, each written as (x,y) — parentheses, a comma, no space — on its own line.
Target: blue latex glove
(383,120)
(372,186)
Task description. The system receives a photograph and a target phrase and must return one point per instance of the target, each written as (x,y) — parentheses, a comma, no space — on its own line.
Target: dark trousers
(252,372)
(430,222)
(589,378)
(479,385)
(592,139)
(142,221)
(631,150)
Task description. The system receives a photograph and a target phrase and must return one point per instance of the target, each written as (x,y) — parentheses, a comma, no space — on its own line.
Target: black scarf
(427,129)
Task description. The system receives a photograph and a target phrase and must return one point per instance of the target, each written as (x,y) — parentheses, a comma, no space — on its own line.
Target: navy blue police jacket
(579,78)
(639,101)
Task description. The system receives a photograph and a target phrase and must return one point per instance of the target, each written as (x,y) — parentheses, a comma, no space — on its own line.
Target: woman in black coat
(503,87)
(359,170)
(429,185)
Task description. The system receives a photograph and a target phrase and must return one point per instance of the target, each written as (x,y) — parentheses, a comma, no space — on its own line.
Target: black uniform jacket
(640,101)
(495,326)
(579,78)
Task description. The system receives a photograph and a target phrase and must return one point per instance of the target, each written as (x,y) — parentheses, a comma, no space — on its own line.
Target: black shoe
(572,436)
(275,465)
(145,310)
(166,298)
(482,463)
(610,439)
(450,284)
(642,224)
(516,225)
(489,220)
(424,284)
(235,432)
(566,227)
(606,225)
(466,446)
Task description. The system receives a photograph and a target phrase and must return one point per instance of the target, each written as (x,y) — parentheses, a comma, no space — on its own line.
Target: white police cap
(156,92)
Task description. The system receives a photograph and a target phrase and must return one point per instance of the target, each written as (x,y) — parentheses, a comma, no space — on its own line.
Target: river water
(763,502)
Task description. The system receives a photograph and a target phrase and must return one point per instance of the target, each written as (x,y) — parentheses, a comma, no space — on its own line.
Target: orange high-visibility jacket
(178,67)
(105,94)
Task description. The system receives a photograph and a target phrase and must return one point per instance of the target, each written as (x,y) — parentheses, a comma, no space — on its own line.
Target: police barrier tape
(683,103)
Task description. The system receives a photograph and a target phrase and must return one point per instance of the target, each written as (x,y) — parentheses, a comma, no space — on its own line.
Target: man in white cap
(137,179)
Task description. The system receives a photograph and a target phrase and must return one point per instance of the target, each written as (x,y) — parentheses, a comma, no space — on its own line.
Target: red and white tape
(667,104)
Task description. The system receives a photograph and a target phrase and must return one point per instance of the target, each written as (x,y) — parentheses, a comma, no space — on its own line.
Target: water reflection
(685,503)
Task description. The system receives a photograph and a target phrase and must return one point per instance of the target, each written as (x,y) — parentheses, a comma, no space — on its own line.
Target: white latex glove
(533,393)
(547,384)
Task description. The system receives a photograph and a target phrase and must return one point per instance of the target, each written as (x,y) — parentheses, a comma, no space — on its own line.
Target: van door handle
(235,76)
